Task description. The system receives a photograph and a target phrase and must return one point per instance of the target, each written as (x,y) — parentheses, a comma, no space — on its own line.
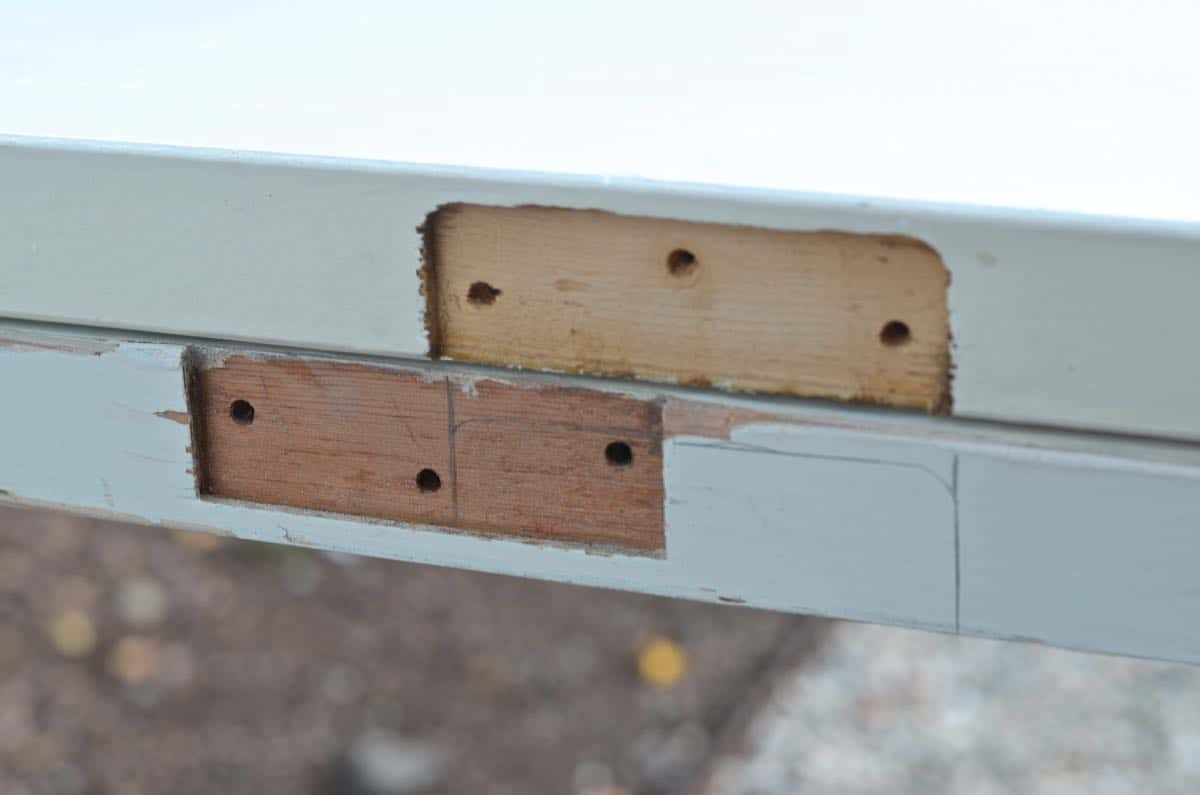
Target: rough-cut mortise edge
(192,362)
(945,405)
(434,320)
(427,273)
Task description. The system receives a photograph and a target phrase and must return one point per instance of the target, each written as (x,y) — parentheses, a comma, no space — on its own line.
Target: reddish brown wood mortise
(506,460)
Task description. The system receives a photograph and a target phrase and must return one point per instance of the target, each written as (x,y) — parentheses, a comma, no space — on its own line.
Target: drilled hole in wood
(681,262)
(428,481)
(895,332)
(241,412)
(482,294)
(618,454)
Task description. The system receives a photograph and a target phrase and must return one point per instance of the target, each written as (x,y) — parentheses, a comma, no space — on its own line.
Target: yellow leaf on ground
(662,662)
(72,633)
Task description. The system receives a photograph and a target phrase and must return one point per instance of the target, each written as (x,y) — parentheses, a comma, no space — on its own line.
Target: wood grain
(353,439)
(535,459)
(326,436)
(815,314)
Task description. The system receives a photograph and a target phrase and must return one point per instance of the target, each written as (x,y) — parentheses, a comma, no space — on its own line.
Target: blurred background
(136,660)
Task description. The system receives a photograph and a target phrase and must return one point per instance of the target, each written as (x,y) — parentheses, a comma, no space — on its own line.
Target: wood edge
(434,317)
(193,362)
(944,406)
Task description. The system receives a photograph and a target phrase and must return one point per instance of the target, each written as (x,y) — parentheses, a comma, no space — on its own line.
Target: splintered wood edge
(427,274)
(191,363)
(435,318)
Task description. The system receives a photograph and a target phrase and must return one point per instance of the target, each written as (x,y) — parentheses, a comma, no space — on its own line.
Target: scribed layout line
(949,487)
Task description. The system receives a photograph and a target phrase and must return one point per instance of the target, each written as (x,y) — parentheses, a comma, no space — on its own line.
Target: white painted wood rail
(1070,321)
(1072,539)
(247,177)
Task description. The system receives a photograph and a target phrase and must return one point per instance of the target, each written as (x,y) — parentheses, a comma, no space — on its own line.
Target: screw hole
(241,412)
(681,262)
(895,332)
(482,294)
(618,454)
(428,481)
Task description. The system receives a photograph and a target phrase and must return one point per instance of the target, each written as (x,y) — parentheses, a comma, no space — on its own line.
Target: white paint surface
(1071,105)
(804,516)
(1097,560)
(1056,320)
(89,438)
(874,516)
(321,257)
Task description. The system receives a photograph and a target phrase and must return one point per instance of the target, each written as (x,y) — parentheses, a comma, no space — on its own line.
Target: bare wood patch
(326,436)
(558,464)
(695,418)
(816,314)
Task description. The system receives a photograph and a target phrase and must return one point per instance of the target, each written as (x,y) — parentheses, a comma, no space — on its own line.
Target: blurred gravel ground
(881,710)
(137,661)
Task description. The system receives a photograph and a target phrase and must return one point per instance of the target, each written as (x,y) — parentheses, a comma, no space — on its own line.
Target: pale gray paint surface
(1103,560)
(1059,320)
(767,526)
(871,538)
(312,257)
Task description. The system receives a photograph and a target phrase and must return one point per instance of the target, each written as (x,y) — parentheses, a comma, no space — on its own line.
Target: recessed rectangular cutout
(816,314)
(491,457)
